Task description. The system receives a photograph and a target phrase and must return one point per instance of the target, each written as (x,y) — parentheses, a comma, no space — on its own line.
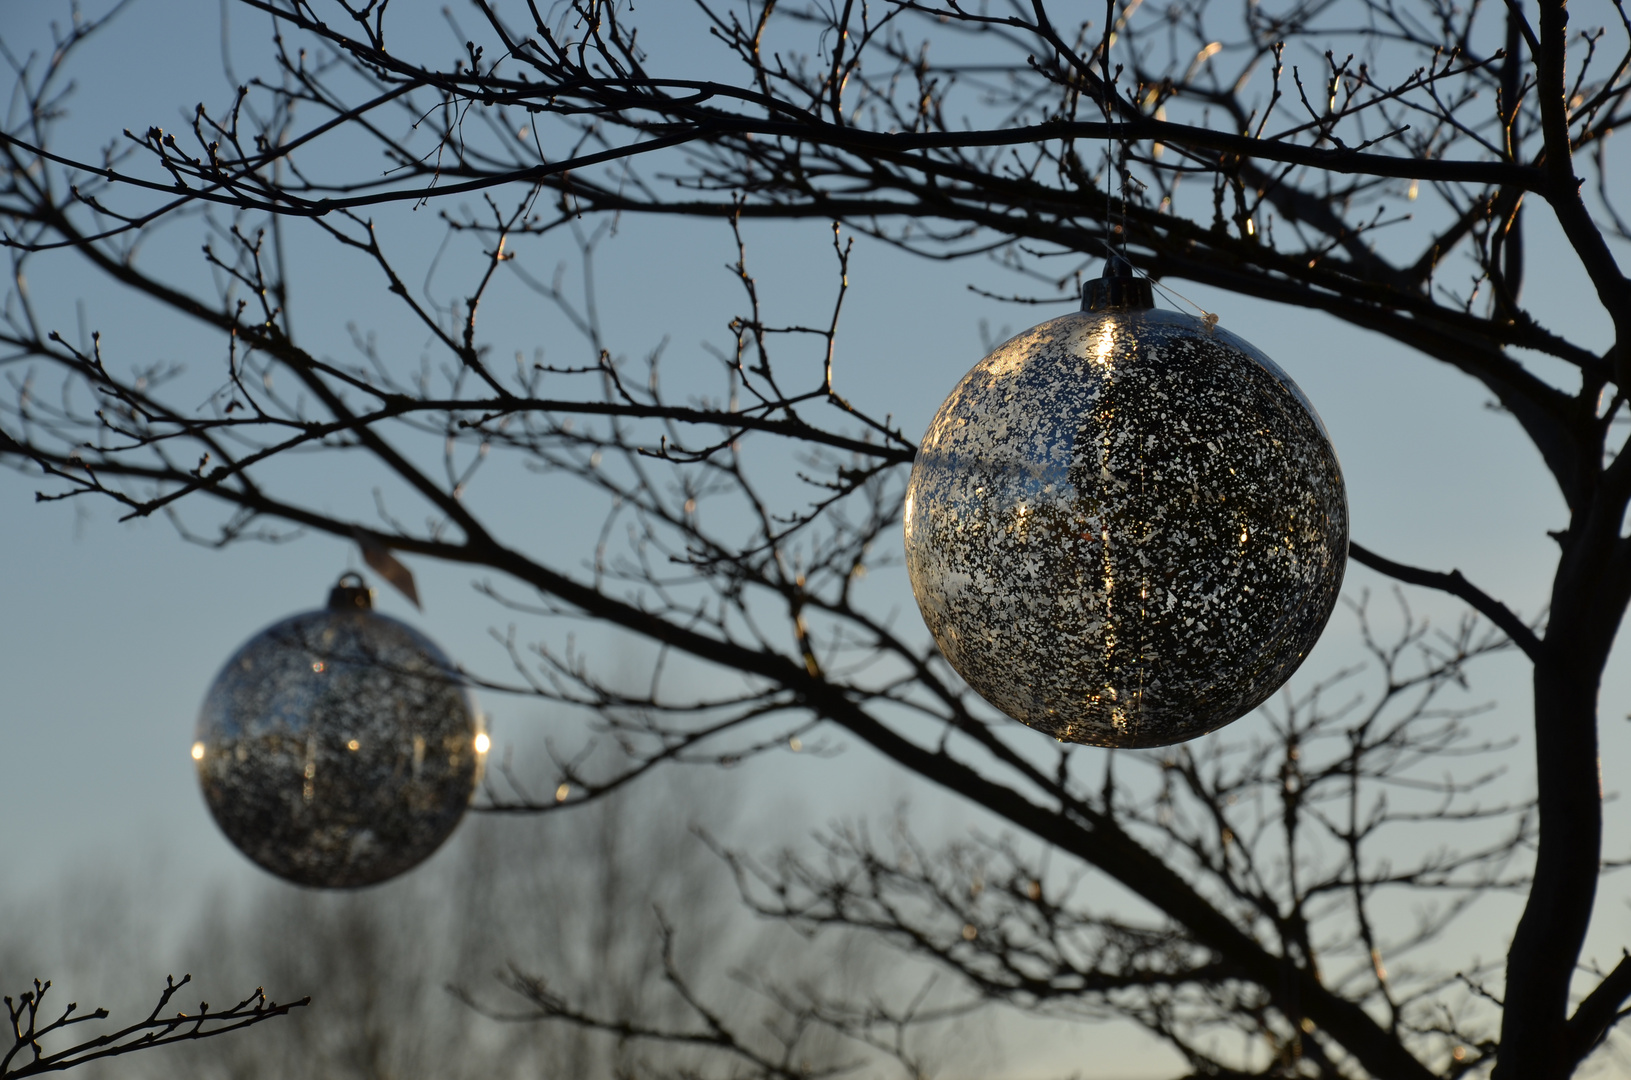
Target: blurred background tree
(735,508)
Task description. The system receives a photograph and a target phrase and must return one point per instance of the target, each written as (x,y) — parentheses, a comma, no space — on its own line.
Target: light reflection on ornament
(1126,527)
(335,747)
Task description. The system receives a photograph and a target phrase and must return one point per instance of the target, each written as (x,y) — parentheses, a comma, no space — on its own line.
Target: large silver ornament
(1126,527)
(338,748)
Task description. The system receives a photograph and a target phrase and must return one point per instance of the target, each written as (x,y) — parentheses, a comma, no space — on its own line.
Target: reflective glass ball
(338,748)
(1126,527)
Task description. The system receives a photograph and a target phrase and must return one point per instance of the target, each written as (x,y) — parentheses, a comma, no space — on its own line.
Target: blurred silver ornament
(338,748)
(1126,527)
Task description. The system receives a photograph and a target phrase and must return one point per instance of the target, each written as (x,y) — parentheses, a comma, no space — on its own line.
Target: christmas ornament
(338,748)
(1126,526)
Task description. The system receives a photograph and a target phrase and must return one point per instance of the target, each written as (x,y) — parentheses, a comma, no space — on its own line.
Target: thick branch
(1456,585)
(1600,1011)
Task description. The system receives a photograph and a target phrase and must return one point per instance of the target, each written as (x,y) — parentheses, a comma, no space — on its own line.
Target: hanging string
(1121,181)
(1106,103)
(1207,317)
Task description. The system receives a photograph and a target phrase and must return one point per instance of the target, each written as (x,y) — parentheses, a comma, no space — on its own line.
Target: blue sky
(111,632)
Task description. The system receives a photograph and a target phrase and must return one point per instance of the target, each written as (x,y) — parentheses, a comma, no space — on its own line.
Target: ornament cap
(1118,289)
(351,593)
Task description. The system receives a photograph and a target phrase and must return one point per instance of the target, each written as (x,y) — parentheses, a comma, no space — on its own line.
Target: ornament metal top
(1126,527)
(338,748)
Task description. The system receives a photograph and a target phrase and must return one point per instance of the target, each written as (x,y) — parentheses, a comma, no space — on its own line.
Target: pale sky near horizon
(110,632)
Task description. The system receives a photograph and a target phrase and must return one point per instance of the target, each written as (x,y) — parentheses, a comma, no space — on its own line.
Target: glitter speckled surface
(338,749)
(1125,529)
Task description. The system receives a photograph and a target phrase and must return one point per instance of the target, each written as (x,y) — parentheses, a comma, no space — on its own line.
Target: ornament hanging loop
(351,593)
